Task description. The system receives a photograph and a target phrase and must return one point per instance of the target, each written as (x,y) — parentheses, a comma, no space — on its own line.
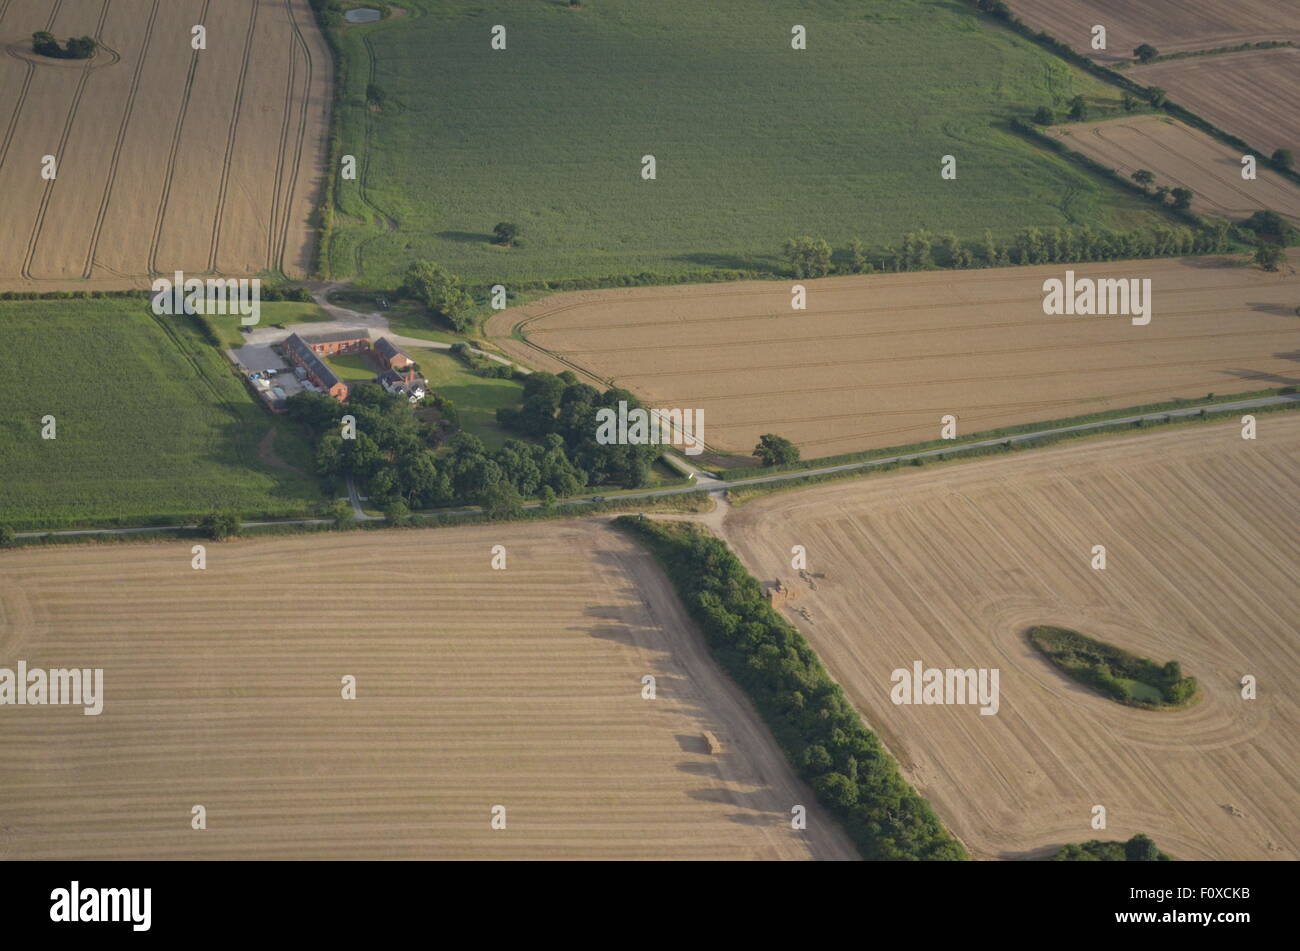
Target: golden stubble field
(1172,26)
(876,361)
(950,566)
(167,158)
(1183,157)
(1255,95)
(476,687)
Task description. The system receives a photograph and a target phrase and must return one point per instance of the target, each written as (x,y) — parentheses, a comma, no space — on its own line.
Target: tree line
(849,770)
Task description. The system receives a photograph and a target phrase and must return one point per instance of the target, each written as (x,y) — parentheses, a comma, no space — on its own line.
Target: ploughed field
(1171,26)
(167,158)
(877,361)
(475,688)
(1254,95)
(951,566)
(1181,156)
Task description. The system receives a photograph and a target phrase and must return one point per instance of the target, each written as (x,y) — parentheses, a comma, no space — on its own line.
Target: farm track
(230,138)
(89,267)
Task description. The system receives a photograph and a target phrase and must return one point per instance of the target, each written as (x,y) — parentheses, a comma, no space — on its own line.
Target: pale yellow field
(1172,26)
(950,566)
(1254,95)
(475,687)
(878,360)
(167,158)
(1181,156)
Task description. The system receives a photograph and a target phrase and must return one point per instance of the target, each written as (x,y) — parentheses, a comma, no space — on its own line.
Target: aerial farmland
(166,157)
(878,361)
(593,431)
(954,565)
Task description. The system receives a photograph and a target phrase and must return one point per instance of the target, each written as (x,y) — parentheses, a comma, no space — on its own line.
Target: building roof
(387,349)
(313,364)
(336,337)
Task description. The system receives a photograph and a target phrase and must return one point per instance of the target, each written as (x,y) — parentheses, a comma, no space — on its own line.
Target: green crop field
(755,142)
(151,426)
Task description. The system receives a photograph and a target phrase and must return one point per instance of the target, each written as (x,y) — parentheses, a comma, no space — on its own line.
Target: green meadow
(475,398)
(754,142)
(151,425)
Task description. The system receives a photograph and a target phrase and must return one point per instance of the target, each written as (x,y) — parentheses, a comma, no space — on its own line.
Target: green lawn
(352,367)
(151,424)
(273,312)
(476,398)
(755,142)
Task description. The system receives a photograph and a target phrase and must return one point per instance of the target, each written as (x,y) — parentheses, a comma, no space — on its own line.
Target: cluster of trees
(219,526)
(775,450)
(77,47)
(1111,669)
(849,770)
(480,365)
(392,455)
(562,406)
(1146,53)
(442,292)
(1140,848)
(506,233)
(1179,198)
(404,463)
(7,536)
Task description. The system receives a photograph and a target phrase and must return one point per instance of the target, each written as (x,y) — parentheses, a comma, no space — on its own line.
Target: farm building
(390,356)
(302,354)
(410,384)
(343,341)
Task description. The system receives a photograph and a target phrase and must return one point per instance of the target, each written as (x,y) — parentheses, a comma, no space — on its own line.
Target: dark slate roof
(315,366)
(335,337)
(388,349)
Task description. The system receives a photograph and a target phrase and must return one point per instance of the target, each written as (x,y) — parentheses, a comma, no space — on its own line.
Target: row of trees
(921,250)
(849,770)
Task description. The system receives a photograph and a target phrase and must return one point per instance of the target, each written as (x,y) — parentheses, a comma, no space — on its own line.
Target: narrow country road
(708,483)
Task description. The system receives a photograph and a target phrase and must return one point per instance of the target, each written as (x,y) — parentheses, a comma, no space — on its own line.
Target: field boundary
(1068,53)
(577,508)
(711,581)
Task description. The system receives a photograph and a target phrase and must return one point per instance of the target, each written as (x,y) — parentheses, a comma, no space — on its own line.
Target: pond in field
(362,15)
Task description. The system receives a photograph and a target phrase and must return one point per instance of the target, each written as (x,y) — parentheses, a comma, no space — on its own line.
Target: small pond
(362,15)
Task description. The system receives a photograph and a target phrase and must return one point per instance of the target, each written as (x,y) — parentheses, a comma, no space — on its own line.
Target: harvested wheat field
(476,687)
(1172,26)
(951,566)
(1183,157)
(1254,95)
(877,361)
(168,158)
